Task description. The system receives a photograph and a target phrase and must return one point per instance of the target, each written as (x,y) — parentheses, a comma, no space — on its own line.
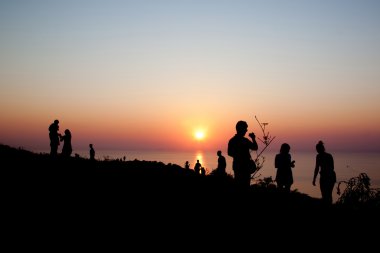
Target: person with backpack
(239,148)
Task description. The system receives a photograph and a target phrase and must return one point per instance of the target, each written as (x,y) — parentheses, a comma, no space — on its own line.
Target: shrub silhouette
(358,193)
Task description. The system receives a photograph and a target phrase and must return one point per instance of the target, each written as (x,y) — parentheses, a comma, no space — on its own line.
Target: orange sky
(144,75)
(178,134)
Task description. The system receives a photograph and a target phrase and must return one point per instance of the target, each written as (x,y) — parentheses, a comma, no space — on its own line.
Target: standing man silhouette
(239,149)
(197,167)
(222,164)
(92,152)
(54,137)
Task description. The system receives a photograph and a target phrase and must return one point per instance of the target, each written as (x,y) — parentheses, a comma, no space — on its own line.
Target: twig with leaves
(266,140)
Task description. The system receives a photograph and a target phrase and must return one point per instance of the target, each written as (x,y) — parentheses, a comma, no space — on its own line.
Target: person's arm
(316,170)
(292,163)
(253,145)
(276,161)
(231,148)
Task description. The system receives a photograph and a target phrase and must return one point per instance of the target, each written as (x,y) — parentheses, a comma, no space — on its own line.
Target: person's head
(56,122)
(67,132)
(219,153)
(241,127)
(90,145)
(320,147)
(285,148)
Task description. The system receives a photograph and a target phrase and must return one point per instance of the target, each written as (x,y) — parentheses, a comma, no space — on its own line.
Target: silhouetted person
(54,137)
(66,149)
(284,164)
(197,167)
(92,153)
(239,149)
(203,171)
(222,164)
(324,164)
(187,165)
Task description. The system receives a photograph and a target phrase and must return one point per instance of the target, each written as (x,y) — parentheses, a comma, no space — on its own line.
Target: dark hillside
(79,179)
(41,189)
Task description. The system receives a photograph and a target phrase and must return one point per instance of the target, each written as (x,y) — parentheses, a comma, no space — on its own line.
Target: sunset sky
(148,75)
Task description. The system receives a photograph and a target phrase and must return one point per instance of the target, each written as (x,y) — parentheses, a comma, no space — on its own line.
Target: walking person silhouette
(54,137)
(324,165)
(284,164)
(239,149)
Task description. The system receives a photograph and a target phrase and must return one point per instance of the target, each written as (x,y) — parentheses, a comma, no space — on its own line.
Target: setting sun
(199,135)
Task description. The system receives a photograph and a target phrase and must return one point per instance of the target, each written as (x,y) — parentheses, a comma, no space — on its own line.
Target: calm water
(347,165)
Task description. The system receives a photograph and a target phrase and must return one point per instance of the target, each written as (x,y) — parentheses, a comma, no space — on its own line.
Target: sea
(347,165)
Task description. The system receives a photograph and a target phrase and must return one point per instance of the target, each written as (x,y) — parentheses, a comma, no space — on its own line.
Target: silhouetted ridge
(39,182)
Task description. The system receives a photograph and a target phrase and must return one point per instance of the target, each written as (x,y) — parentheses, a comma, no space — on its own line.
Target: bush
(358,193)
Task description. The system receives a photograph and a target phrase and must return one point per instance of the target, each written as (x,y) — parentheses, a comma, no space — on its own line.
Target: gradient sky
(147,74)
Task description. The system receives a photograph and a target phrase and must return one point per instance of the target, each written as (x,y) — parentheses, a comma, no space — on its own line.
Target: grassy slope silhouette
(39,187)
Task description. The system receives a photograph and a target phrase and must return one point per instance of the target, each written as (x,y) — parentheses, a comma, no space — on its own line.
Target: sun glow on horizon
(199,135)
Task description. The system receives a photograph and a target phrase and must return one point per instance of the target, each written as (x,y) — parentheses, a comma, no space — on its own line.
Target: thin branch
(266,140)
(262,129)
(265,147)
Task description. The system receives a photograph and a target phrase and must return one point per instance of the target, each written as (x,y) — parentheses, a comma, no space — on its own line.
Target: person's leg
(287,188)
(326,191)
(329,191)
(242,180)
(53,149)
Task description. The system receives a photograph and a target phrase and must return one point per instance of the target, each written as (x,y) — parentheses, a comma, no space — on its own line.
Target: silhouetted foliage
(266,140)
(266,182)
(358,193)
